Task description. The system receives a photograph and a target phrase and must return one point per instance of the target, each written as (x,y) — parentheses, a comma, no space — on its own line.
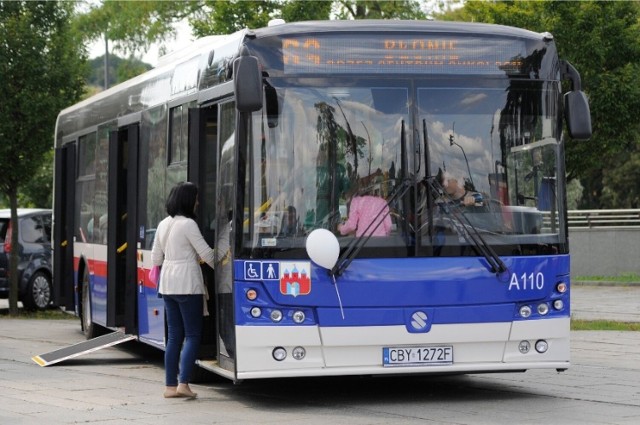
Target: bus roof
(365,25)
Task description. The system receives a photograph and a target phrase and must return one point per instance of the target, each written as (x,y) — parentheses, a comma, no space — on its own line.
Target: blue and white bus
(281,127)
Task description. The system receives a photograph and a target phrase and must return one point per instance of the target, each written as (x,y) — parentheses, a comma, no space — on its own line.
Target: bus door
(203,137)
(63,214)
(122,239)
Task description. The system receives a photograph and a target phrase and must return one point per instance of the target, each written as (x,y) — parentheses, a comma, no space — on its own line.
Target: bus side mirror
(577,115)
(247,82)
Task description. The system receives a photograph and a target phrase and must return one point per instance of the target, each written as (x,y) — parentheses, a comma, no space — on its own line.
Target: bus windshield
(478,156)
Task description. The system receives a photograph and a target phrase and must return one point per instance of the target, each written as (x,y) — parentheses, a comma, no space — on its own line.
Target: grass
(622,278)
(603,325)
(51,314)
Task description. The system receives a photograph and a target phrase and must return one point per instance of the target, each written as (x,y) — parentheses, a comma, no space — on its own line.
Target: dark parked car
(34,266)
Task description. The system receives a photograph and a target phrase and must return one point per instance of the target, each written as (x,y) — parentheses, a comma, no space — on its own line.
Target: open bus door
(63,214)
(122,242)
(122,239)
(208,127)
(203,124)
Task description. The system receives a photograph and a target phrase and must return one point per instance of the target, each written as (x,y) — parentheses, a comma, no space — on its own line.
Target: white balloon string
(335,284)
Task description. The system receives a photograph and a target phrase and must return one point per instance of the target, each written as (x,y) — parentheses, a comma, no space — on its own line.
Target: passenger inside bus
(368,215)
(290,224)
(455,191)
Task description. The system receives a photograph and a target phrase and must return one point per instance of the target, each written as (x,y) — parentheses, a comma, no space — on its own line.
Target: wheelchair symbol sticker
(252,270)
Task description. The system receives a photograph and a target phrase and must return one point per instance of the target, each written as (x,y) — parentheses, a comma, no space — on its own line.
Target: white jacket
(179,255)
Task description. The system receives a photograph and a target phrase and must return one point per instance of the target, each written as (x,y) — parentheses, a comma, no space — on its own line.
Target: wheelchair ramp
(81,348)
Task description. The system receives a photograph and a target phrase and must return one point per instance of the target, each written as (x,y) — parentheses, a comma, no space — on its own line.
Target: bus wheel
(38,293)
(88,327)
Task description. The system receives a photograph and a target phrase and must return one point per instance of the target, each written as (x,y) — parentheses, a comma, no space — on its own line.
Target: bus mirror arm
(576,104)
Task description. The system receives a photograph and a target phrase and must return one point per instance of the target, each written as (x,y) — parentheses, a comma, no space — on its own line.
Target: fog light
(542,346)
(252,294)
(298,316)
(525,311)
(256,312)
(543,309)
(298,353)
(276,315)
(524,347)
(561,287)
(279,353)
(558,304)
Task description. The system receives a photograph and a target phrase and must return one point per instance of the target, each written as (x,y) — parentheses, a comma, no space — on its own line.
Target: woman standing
(178,246)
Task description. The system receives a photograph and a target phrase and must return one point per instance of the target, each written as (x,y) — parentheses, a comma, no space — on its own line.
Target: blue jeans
(184,323)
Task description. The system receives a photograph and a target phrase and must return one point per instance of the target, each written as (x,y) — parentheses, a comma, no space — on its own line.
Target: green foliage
(38,192)
(297,11)
(574,194)
(226,17)
(41,58)
(372,9)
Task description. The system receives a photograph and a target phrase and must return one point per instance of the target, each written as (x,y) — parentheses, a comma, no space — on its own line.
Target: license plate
(417,356)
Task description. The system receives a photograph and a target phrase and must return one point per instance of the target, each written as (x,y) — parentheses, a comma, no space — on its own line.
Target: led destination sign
(402,54)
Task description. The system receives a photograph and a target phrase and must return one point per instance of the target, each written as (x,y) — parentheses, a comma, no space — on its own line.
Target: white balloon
(323,248)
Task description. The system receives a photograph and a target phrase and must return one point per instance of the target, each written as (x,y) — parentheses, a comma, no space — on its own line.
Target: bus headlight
(256,312)
(279,353)
(298,316)
(298,353)
(525,311)
(524,346)
(542,346)
(543,309)
(276,315)
(558,304)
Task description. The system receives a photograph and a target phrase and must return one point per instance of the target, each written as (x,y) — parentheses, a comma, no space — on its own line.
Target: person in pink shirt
(362,212)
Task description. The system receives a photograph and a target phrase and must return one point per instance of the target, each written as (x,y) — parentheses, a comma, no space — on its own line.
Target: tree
(134,26)
(602,40)
(38,191)
(42,65)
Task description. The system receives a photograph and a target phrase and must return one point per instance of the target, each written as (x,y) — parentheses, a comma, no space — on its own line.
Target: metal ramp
(81,348)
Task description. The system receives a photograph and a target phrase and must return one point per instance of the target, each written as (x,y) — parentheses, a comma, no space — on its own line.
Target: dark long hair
(182,200)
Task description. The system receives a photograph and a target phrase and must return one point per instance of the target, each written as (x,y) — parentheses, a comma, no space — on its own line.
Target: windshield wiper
(357,243)
(468,230)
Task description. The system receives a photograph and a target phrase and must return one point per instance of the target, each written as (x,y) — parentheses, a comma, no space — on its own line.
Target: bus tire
(89,329)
